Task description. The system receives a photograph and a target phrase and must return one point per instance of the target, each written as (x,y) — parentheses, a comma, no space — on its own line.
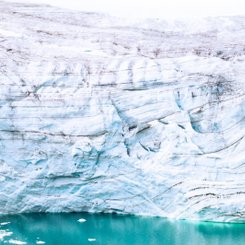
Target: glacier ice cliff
(102,114)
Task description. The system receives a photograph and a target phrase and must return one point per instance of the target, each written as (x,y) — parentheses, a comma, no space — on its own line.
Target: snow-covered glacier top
(103,114)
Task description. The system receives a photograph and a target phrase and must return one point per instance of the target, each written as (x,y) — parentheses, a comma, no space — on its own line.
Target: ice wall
(102,115)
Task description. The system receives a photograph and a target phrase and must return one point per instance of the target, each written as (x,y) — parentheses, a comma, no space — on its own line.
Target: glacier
(103,114)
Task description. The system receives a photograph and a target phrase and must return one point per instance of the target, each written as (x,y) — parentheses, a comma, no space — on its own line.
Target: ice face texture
(101,114)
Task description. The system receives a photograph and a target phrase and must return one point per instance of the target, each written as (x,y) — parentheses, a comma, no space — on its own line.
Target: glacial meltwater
(83,228)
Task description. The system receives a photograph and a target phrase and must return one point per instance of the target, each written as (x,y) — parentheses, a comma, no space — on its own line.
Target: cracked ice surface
(101,115)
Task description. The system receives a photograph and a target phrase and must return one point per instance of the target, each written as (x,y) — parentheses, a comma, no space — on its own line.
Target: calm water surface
(65,229)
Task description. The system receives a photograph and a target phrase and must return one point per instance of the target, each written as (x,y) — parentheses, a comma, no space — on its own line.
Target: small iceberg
(40,242)
(4,223)
(4,233)
(91,239)
(12,241)
(82,220)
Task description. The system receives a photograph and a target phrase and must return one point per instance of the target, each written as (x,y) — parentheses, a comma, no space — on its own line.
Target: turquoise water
(65,229)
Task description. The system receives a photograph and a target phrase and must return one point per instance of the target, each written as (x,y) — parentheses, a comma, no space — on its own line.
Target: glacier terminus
(103,114)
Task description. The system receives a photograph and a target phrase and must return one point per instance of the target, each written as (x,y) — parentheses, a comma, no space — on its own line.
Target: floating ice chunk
(40,242)
(12,241)
(91,239)
(4,223)
(4,233)
(82,220)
